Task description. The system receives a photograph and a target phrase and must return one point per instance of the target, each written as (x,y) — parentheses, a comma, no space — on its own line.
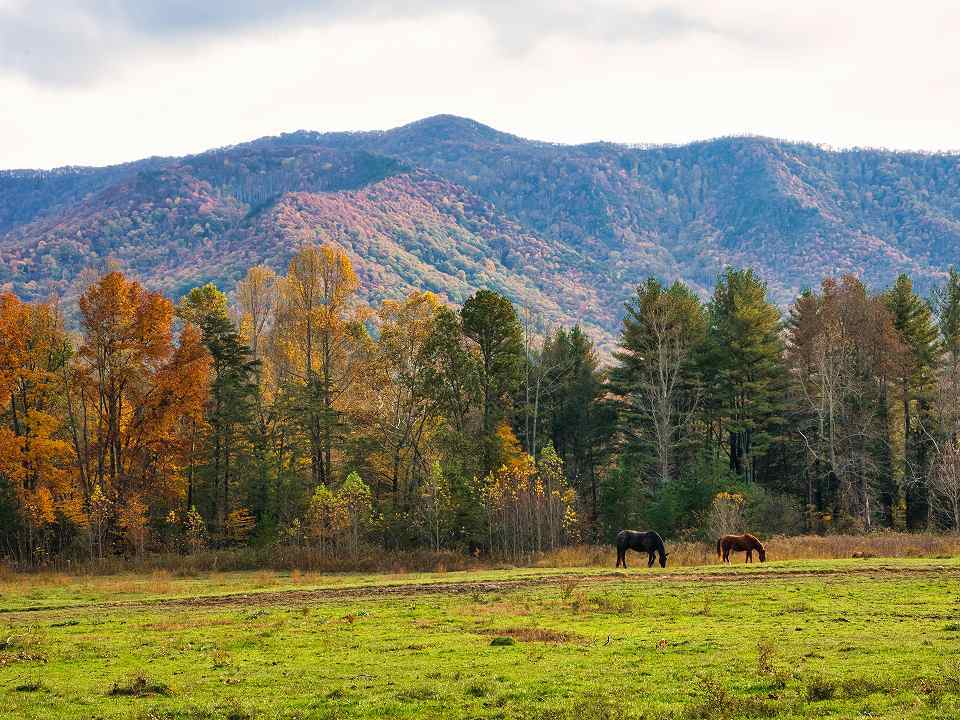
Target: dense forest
(293,412)
(451,206)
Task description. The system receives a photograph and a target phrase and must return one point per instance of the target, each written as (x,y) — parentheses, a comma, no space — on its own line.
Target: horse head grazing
(656,545)
(762,551)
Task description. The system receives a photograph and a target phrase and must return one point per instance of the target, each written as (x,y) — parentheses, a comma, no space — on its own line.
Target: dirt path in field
(298,597)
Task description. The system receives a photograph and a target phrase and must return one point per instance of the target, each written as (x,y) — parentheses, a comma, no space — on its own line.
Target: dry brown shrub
(574,556)
(500,609)
(305,565)
(139,685)
(800,547)
(533,634)
(568,585)
(883,544)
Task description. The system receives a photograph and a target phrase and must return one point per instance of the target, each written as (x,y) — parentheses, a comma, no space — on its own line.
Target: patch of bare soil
(297,597)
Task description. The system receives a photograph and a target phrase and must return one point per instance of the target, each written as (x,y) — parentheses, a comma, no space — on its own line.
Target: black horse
(648,542)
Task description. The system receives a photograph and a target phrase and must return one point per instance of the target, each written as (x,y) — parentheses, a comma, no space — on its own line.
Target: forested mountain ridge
(796,210)
(452,205)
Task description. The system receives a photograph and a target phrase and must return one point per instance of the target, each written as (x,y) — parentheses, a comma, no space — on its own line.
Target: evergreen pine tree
(743,369)
(232,395)
(915,325)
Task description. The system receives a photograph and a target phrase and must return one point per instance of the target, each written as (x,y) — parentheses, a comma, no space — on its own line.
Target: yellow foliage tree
(33,457)
(529,508)
(134,521)
(396,408)
(323,345)
(326,517)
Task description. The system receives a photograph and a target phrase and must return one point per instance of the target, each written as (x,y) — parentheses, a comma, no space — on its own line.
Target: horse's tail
(718,546)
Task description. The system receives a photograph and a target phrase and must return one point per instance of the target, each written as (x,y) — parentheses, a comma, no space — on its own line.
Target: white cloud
(112,81)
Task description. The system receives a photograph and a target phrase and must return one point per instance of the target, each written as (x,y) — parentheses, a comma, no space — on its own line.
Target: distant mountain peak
(450,204)
(446,127)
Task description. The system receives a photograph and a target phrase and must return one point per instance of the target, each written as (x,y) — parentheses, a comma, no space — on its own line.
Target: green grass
(791,640)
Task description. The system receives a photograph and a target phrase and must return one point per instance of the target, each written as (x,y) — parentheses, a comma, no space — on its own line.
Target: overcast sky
(103,81)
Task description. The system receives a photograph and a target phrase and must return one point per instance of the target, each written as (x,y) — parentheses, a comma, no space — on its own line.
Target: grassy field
(796,639)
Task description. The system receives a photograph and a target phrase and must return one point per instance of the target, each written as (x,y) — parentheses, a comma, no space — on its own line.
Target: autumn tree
(133,520)
(357,503)
(841,346)
(530,507)
(559,513)
(35,470)
(403,408)
(322,331)
(132,391)
(257,297)
(435,506)
(256,300)
(326,518)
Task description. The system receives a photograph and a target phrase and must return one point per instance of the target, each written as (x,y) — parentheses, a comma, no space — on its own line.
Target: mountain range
(451,205)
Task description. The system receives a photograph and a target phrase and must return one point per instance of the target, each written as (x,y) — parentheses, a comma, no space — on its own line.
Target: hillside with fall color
(450,205)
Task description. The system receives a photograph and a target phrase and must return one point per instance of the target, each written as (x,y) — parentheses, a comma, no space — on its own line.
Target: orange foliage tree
(34,460)
(132,394)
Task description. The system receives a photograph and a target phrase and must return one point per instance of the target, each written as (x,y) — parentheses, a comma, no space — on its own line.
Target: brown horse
(745,542)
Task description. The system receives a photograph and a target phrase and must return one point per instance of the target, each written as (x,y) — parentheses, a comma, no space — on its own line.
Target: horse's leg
(620,554)
(650,559)
(749,558)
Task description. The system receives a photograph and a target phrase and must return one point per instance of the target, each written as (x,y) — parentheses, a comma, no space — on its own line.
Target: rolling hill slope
(451,205)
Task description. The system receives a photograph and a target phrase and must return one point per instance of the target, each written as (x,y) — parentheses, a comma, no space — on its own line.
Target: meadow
(821,637)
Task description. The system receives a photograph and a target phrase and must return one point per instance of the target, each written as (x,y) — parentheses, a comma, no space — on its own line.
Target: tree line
(841,416)
(290,412)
